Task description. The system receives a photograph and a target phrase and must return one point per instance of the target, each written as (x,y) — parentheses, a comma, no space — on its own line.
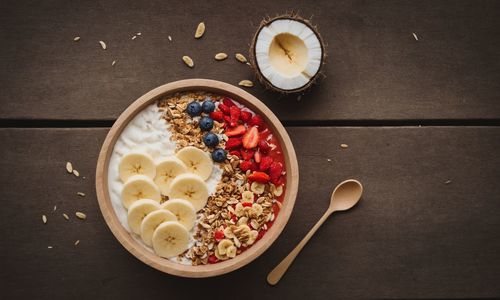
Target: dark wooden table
(421,118)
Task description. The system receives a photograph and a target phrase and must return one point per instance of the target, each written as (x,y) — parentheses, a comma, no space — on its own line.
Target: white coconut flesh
(288,53)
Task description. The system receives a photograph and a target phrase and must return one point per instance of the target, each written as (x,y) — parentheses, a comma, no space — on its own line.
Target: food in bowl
(197,178)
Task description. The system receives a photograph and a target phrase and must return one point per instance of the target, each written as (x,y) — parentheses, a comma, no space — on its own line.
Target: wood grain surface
(411,236)
(376,70)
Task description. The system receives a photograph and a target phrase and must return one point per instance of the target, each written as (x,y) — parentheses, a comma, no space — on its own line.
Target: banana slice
(166,170)
(152,221)
(191,188)
(138,211)
(183,211)
(197,161)
(170,239)
(139,187)
(136,163)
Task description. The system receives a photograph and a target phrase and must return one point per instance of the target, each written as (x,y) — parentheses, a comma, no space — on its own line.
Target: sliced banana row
(165,227)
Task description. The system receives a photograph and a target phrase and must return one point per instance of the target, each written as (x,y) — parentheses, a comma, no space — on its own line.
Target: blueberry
(208,106)
(194,109)
(211,140)
(206,124)
(219,155)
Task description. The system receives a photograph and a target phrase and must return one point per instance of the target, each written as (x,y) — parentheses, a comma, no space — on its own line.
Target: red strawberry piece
(257,156)
(251,138)
(256,121)
(228,102)
(234,112)
(264,146)
(212,259)
(217,116)
(259,177)
(238,130)
(265,163)
(254,167)
(235,152)
(247,154)
(227,119)
(234,218)
(277,181)
(246,204)
(246,116)
(219,235)
(233,143)
(224,108)
(245,165)
(275,170)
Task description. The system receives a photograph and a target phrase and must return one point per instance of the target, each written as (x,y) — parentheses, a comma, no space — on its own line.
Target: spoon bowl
(345,195)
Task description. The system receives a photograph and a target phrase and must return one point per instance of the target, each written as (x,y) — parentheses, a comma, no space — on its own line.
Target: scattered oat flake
(328,159)
(76,173)
(240,57)
(65,216)
(220,56)
(77,242)
(134,37)
(299,98)
(76,38)
(169,38)
(246,83)
(80,215)
(69,167)
(139,33)
(344,146)
(113,63)
(200,30)
(103,45)
(49,247)
(188,61)
(80,194)
(44,219)
(55,207)
(447,181)
(415,36)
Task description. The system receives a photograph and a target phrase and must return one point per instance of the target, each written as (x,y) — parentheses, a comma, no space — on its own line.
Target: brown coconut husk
(253,62)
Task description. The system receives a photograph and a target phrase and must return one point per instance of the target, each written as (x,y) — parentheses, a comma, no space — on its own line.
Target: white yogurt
(147,132)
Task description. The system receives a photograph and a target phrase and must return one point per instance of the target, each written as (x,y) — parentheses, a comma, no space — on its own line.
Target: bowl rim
(139,250)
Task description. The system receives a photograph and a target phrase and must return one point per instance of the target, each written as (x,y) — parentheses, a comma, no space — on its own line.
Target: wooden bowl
(139,250)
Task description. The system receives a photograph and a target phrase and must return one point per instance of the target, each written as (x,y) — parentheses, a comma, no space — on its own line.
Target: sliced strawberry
(275,170)
(235,152)
(234,218)
(234,112)
(251,138)
(260,235)
(224,108)
(246,204)
(219,235)
(245,165)
(233,143)
(228,102)
(264,146)
(238,130)
(246,116)
(217,116)
(212,259)
(227,120)
(265,163)
(259,177)
(257,156)
(254,167)
(256,121)
(247,154)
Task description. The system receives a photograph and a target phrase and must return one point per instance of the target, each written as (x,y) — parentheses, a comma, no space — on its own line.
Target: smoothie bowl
(197,178)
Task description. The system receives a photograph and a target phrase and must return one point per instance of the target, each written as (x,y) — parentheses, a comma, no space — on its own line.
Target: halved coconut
(287,53)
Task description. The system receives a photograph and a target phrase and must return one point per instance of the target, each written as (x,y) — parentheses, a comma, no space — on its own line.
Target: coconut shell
(253,61)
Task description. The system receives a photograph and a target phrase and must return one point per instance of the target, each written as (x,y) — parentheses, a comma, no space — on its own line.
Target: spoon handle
(278,272)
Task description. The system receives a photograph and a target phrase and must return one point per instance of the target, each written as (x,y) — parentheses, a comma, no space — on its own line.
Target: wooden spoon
(344,196)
